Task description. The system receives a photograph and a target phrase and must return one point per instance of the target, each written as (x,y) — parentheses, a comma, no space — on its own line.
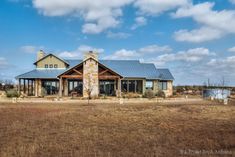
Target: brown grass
(111,130)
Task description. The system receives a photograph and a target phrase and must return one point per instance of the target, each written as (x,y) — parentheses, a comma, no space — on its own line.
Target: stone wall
(155,86)
(38,88)
(169,91)
(90,75)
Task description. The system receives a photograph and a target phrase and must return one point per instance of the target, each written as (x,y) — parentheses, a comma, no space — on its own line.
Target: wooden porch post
(28,86)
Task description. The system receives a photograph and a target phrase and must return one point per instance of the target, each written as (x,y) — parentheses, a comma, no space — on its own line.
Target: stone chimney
(91,54)
(90,75)
(40,54)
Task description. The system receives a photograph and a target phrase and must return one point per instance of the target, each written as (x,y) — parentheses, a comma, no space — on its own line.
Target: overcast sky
(194,39)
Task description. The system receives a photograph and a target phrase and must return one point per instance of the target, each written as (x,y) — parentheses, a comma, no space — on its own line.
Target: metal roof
(42,73)
(126,68)
(165,74)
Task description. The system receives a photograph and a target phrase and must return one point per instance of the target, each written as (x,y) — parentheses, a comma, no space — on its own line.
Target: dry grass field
(112,130)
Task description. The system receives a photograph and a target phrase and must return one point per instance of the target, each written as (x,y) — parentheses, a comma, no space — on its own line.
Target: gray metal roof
(126,68)
(42,73)
(165,74)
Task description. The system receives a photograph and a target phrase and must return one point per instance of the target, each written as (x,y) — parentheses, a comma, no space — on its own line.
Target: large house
(92,77)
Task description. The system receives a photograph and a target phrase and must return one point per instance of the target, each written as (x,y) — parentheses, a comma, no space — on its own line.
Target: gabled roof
(79,62)
(165,74)
(50,54)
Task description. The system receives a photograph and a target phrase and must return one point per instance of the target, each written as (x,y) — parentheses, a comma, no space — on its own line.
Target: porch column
(66,93)
(119,92)
(144,86)
(36,87)
(39,87)
(24,87)
(61,87)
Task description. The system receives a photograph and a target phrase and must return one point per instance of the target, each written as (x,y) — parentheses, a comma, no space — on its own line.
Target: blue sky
(194,39)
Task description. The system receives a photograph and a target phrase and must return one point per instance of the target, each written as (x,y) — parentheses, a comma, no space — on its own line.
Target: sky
(195,39)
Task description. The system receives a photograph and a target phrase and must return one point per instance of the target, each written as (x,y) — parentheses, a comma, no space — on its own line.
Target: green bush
(131,95)
(149,94)
(161,94)
(43,92)
(10,93)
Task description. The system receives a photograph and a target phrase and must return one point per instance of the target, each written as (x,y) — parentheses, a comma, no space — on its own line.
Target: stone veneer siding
(90,76)
(169,91)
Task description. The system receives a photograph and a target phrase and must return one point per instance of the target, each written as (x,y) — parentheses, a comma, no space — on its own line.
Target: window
(124,86)
(51,65)
(134,86)
(46,65)
(107,87)
(149,85)
(50,87)
(55,65)
(75,86)
(163,85)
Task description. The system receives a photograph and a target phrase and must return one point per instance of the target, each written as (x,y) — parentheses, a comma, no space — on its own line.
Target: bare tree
(223,86)
(88,89)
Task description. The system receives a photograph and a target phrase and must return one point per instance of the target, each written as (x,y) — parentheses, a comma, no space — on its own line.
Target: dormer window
(51,65)
(46,65)
(55,65)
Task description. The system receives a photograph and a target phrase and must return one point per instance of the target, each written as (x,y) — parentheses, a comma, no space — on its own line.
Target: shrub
(43,92)
(161,94)
(12,93)
(149,94)
(131,95)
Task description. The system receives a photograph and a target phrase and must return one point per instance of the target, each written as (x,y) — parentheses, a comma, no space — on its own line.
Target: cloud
(122,54)
(118,35)
(139,21)
(141,52)
(191,55)
(232,49)
(150,49)
(215,23)
(198,35)
(3,63)
(156,7)
(99,15)
(228,62)
(232,1)
(31,49)
(79,52)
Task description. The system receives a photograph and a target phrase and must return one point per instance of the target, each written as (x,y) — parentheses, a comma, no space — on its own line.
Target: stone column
(90,78)
(144,86)
(119,92)
(60,87)
(38,88)
(155,86)
(66,92)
